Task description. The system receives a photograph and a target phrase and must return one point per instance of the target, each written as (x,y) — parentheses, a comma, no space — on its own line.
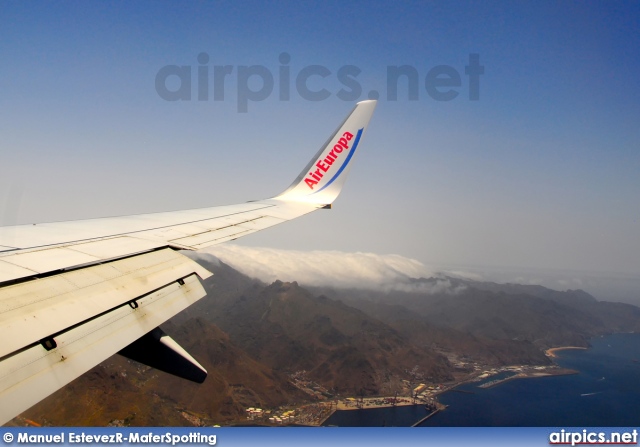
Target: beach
(551,352)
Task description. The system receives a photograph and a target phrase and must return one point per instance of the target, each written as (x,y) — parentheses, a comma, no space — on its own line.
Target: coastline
(551,352)
(324,410)
(592,397)
(537,375)
(573,397)
(350,404)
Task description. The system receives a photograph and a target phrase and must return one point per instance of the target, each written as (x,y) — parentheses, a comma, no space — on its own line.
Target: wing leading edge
(74,293)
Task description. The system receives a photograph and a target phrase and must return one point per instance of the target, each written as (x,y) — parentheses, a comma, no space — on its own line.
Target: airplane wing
(74,293)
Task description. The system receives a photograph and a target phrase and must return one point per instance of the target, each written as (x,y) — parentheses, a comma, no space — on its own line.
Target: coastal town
(426,394)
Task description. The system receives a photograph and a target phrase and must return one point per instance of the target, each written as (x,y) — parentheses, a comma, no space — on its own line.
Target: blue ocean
(606,392)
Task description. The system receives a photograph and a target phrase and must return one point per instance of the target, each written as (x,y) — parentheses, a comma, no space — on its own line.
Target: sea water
(606,392)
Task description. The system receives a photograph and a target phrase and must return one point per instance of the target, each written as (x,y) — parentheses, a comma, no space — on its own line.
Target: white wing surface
(74,293)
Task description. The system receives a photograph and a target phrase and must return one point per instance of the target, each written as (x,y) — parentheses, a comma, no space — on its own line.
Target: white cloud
(393,272)
(331,268)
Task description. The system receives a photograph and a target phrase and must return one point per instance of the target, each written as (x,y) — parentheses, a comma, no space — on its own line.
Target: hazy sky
(541,172)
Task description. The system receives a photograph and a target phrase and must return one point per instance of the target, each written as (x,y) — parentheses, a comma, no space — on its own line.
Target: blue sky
(540,172)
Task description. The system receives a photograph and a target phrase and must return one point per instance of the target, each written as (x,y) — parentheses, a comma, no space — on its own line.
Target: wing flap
(9,272)
(34,310)
(33,373)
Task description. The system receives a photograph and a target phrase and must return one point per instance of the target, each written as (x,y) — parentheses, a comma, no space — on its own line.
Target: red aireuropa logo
(324,165)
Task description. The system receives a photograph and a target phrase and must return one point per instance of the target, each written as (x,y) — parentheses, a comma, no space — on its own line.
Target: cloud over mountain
(327,268)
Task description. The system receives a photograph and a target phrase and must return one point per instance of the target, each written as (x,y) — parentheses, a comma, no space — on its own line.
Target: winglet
(322,179)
